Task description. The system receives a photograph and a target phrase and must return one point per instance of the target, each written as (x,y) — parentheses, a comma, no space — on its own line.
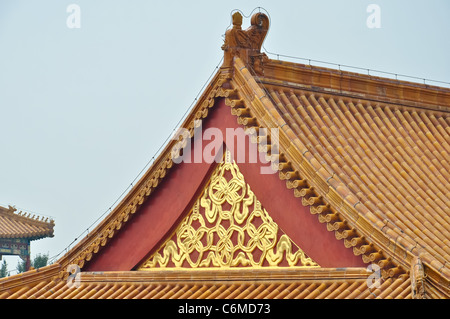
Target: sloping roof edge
(106,229)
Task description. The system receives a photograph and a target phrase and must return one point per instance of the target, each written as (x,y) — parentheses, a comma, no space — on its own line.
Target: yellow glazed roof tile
(323,283)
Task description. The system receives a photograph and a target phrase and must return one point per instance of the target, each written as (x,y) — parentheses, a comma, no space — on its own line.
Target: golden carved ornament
(246,44)
(227,227)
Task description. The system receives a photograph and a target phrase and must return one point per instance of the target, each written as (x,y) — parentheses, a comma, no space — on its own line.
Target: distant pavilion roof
(24,225)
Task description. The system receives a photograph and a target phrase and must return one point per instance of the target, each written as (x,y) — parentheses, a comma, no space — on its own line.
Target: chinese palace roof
(23,225)
(362,185)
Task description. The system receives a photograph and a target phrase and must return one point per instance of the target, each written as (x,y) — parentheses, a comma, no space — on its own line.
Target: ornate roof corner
(417,279)
(246,44)
(21,224)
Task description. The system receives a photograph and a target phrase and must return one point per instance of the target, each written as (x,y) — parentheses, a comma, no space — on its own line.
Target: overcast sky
(83,110)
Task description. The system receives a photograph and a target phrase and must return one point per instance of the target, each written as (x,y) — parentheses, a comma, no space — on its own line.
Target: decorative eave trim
(231,274)
(30,236)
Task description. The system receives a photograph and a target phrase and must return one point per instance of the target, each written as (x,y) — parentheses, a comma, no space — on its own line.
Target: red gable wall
(146,230)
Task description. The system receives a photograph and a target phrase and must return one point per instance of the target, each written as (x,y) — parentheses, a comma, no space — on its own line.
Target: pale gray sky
(83,110)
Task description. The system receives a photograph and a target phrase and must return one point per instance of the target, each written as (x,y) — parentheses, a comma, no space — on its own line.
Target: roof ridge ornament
(417,278)
(28,217)
(246,44)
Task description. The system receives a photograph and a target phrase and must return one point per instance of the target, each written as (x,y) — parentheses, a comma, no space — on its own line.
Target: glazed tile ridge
(355,85)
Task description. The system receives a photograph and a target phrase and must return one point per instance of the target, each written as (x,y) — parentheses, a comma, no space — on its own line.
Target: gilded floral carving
(228,227)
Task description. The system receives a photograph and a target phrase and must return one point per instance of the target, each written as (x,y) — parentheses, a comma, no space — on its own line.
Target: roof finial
(417,278)
(246,44)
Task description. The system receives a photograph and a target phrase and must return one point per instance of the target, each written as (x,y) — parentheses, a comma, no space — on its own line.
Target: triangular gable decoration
(227,227)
